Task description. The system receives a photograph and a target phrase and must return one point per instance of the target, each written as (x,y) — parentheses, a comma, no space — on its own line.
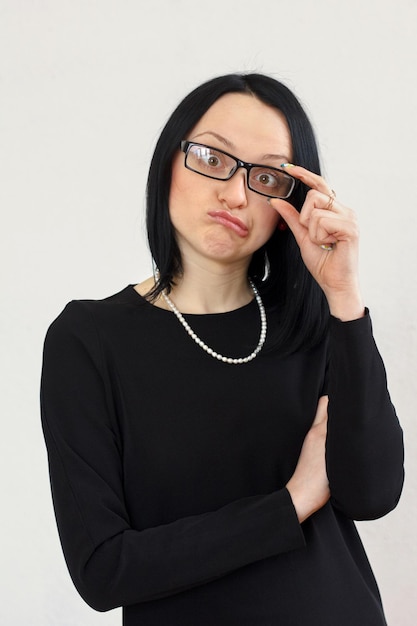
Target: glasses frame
(186,145)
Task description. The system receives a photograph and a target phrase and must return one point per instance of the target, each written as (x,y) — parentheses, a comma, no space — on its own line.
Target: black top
(168,467)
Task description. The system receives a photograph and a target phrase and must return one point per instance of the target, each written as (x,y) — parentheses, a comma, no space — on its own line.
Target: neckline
(140,298)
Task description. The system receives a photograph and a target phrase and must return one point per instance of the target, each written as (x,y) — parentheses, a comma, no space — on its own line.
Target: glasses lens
(209,162)
(271,182)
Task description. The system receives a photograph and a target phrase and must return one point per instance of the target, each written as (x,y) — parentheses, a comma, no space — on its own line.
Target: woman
(185,417)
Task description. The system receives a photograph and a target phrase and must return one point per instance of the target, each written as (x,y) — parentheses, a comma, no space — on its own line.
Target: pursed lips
(230,221)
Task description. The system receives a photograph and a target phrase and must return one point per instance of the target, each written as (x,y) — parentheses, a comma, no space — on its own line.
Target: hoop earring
(155,272)
(267,269)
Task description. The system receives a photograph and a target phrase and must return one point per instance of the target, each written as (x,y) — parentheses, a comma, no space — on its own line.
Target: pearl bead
(210,351)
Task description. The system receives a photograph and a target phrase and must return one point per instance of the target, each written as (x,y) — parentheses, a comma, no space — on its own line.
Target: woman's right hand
(309,486)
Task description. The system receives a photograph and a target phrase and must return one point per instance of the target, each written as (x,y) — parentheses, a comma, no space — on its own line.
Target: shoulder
(80,317)
(90,330)
(118,302)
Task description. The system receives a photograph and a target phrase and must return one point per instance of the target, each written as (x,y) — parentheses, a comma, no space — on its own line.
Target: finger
(321,412)
(316,200)
(315,181)
(291,216)
(325,227)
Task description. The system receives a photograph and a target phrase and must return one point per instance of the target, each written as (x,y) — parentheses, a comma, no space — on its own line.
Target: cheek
(185,187)
(177,180)
(266,224)
(177,193)
(269,222)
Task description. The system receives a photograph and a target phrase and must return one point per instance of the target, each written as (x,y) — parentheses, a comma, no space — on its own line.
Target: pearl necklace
(211,352)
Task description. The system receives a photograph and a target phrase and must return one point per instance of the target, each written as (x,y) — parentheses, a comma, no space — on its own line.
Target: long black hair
(290,292)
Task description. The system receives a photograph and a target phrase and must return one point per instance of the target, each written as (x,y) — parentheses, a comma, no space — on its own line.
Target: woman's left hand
(324,221)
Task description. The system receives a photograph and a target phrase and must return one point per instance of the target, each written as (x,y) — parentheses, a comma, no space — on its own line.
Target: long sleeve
(364,443)
(112,563)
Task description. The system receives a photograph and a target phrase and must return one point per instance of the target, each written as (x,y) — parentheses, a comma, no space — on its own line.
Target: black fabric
(168,467)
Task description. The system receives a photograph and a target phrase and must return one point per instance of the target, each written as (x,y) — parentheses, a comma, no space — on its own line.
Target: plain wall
(85,87)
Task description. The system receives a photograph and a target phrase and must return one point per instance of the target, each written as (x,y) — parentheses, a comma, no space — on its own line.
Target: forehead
(247,124)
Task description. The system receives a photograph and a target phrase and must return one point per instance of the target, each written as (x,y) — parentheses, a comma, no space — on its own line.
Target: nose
(234,192)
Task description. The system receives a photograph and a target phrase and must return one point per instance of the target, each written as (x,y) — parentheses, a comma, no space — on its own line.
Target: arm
(364,442)
(111,563)
(357,452)
(364,449)
(309,485)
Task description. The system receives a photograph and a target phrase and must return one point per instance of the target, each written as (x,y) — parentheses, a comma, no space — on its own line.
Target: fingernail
(287,165)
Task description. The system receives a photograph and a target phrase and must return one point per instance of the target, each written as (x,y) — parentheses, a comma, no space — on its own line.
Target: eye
(268,179)
(210,162)
(210,158)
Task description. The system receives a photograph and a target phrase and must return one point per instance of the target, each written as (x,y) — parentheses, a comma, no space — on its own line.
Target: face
(223,221)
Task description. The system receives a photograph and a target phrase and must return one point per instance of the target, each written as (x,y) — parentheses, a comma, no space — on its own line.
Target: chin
(223,249)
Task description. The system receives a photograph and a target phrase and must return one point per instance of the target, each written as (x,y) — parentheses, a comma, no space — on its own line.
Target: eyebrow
(280,157)
(223,140)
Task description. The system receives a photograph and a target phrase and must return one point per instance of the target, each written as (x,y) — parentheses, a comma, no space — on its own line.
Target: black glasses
(214,163)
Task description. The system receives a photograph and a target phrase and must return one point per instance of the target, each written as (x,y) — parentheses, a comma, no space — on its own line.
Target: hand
(308,486)
(325,221)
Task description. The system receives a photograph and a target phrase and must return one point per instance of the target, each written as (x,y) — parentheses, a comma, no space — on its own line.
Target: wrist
(346,306)
(298,504)
(303,504)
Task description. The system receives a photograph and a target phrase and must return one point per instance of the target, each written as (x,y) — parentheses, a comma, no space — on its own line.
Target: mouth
(230,221)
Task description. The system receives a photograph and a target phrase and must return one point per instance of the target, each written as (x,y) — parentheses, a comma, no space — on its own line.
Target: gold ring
(332,196)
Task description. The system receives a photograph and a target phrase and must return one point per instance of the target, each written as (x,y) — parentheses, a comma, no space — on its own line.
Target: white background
(85,89)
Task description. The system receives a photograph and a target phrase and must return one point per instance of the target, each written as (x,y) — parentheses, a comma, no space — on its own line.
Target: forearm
(364,452)
(346,305)
(113,564)
(112,560)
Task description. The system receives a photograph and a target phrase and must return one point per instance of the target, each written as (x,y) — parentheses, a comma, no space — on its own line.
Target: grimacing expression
(223,220)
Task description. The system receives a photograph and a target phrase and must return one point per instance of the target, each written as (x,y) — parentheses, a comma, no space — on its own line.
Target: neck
(211,290)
